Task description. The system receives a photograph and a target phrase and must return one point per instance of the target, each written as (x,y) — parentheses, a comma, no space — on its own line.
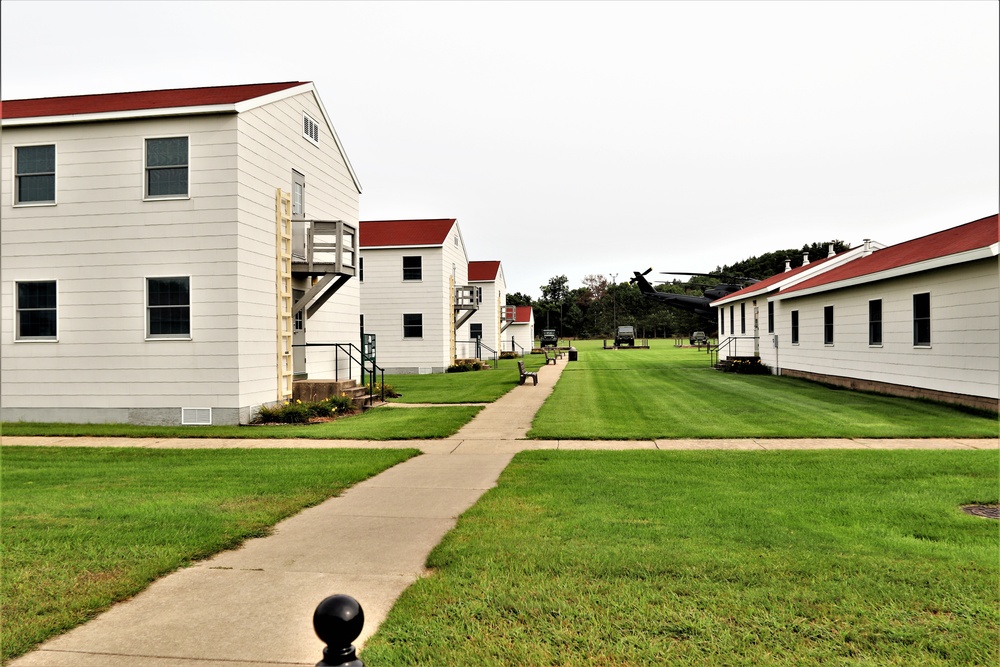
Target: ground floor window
(770,317)
(476,331)
(743,318)
(168,307)
(922,319)
(413,325)
(36,310)
(828,325)
(795,327)
(875,322)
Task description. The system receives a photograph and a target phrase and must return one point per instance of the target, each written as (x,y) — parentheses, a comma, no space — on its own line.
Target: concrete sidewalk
(253,606)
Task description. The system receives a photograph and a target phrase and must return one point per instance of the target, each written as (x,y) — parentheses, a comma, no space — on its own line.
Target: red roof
(385,233)
(980,233)
(150,99)
(484,270)
(522,314)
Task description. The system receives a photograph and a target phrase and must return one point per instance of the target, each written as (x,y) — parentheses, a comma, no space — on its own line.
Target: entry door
(298,337)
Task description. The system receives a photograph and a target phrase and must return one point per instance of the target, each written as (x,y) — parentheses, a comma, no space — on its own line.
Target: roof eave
(122,115)
(917,267)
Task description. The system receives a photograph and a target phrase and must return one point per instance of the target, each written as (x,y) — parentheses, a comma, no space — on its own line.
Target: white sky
(589,137)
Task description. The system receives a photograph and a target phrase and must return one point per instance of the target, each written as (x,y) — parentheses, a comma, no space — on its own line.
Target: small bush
(390,391)
(459,368)
(297,412)
(510,355)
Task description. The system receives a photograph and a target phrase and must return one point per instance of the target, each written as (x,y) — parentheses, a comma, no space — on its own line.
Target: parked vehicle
(699,338)
(625,336)
(549,338)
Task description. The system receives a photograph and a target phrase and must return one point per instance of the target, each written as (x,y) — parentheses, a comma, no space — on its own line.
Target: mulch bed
(986,511)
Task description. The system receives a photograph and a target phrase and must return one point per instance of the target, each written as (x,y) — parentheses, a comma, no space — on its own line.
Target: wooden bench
(525,374)
(552,359)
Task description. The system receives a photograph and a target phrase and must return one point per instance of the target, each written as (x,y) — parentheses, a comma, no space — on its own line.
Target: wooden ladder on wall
(283,243)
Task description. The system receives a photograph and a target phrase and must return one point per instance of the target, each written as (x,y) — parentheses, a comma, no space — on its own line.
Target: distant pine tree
(771,263)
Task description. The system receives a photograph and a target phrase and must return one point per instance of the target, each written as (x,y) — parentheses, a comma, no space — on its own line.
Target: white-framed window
(875,322)
(770,317)
(35,175)
(310,128)
(413,325)
(361,269)
(475,330)
(413,268)
(743,318)
(828,325)
(298,196)
(922,319)
(167,168)
(37,310)
(298,319)
(168,307)
(795,327)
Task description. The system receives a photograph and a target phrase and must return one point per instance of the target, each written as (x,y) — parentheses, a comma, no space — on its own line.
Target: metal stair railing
(360,359)
(713,350)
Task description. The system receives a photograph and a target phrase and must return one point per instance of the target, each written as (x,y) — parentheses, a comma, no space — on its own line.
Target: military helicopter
(699,305)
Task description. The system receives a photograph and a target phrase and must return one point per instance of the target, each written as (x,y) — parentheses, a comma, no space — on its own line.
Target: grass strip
(85,527)
(665,392)
(470,387)
(713,558)
(379,424)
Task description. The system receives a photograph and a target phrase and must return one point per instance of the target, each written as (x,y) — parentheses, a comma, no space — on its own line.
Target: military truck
(625,336)
(549,338)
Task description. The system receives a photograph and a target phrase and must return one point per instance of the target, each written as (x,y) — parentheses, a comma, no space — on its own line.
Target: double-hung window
(743,318)
(168,307)
(922,319)
(167,167)
(875,322)
(770,317)
(413,268)
(413,325)
(795,327)
(476,330)
(36,310)
(298,196)
(828,325)
(35,174)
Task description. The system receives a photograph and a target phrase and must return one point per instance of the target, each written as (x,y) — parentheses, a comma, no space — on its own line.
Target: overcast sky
(588,137)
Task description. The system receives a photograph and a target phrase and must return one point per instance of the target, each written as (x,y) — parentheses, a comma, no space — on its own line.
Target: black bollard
(338,621)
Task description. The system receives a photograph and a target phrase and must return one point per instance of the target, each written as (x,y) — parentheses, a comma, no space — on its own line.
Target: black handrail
(480,346)
(360,361)
(713,350)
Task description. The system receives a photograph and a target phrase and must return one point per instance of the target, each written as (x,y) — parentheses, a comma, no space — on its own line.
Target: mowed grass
(483,386)
(85,527)
(794,558)
(665,392)
(380,424)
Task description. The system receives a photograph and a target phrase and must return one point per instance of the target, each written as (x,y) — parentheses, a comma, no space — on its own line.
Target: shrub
(459,368)
(297,412)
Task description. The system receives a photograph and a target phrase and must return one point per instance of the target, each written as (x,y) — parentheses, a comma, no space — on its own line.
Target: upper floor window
(413,268)
(795,327)
(310,128)
(922,319)
(168,306)
(35,174)
(167,167)
(36,310)
(875,322)
(828,325)
(361,269)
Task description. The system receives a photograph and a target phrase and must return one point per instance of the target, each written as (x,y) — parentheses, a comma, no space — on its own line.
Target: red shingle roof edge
(973,235)
(522,314)
(385,233)
(484,269)
(141,100)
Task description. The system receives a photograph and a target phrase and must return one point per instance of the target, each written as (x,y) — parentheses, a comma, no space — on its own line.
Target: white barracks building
(161,250)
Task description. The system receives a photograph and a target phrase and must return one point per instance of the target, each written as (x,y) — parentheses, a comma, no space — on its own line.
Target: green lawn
(381,424)
(84,527)
(470,387)
(796,558)
(666,392)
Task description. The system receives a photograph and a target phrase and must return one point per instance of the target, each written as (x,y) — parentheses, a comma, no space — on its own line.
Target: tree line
(598,306)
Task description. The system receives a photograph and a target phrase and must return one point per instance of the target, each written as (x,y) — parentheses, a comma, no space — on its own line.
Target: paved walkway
(253,606)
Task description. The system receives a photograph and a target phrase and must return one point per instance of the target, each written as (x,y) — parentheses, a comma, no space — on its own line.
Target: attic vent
(310,129)
(196,416)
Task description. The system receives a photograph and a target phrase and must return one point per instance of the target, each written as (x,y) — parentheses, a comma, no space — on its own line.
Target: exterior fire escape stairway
(327,251)
(467,298)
